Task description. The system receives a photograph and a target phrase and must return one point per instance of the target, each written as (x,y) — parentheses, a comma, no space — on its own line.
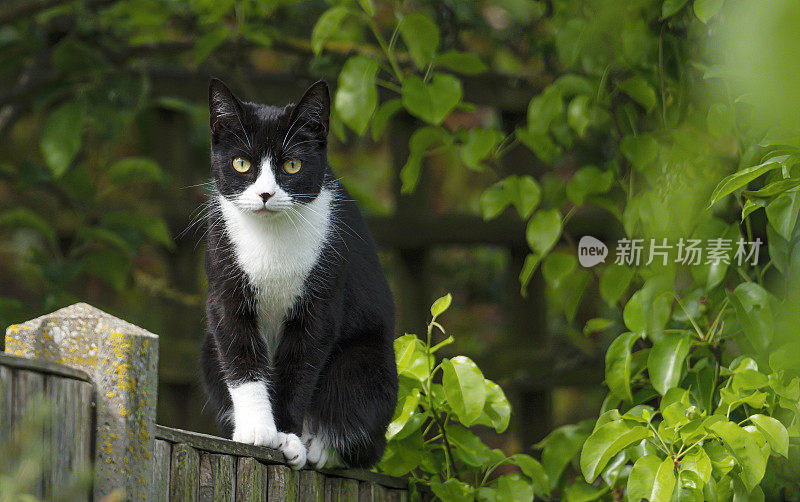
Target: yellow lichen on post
(122,360)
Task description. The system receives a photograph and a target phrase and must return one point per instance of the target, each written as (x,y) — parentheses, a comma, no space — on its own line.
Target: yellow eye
(241,165)
(292,166)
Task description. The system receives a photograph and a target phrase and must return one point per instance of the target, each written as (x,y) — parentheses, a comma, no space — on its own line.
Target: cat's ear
(314,108)
(225,108)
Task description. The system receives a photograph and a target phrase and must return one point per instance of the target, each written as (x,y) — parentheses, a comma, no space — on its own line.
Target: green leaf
(467,63)
(752,304)
(597,325)
(543,230)
(745,450)
(652,479)
(208,42)
(23,217)
(421,36)
(528,268)
(513,488)
(534,470)
(135,169)
(522,191)
(451,490)
(782,214)
(579,114)
(580,491)
(698,462)
(497,410)
(402,456)
(382,116)
(560,447)
(614,282)
(151,227)
(422,139)
(539,143)
(61,137)
(478,145)
(411,360)
(469,447)
(774,432)
(774,188)
(665,363)
(605,442)
(706,9)
(640,91)
(543,109)
(586,181)
(737,180)
(640,150)
(464,387)
(368,6)
(528,195)
(441,304)
(618,365)
(671,7)
(557,267)
(405,409)
(357,93)
(328,25)
(431,101)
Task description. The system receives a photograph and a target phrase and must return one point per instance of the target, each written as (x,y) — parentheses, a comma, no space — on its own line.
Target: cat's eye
(292,166)
(241,164)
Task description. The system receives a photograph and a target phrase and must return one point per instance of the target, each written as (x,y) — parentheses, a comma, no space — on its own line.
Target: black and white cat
(298,354)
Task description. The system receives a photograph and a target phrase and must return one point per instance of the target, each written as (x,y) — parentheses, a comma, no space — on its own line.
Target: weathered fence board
(61,438)
(341,490)
(69,437)
(283,483)
(107,419)
(370,492)
(312,486)
(217,478)
(184,483)
(6,400)
(162,458)
(252,480)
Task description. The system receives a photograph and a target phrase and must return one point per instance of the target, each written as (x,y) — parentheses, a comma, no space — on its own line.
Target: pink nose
(265,196)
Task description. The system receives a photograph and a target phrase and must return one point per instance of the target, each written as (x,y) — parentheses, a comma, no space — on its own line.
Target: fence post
(122,360)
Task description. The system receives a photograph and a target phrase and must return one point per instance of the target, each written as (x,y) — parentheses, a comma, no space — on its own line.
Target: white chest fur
(277,254)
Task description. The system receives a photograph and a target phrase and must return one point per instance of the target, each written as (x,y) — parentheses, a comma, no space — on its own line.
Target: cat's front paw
(256,432)
(293,449)
(319,454)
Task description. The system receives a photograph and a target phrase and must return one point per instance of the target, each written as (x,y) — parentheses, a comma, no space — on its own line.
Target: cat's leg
(243,363)
(354,402)
(217,391)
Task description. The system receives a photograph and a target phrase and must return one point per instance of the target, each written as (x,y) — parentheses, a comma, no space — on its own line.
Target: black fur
(334,365)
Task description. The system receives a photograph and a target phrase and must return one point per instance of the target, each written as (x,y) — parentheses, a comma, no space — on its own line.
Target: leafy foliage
(430,435)
(697,377)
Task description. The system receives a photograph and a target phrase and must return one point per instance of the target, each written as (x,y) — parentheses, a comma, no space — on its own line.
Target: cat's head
(267,159)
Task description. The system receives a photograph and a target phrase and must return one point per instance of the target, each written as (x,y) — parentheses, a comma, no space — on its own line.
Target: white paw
(318,453)
(254,431)
(293,449)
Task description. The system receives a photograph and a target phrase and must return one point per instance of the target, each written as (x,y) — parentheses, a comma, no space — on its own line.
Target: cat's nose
(266,195)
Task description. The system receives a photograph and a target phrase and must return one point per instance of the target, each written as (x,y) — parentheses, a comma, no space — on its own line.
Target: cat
(299,350)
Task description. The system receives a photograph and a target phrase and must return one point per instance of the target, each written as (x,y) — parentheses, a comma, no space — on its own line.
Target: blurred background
(104,163)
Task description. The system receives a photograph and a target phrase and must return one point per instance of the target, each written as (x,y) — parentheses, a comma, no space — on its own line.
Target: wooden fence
(98,376)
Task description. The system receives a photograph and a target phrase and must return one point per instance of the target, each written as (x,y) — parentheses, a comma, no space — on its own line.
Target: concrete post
(122,360)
